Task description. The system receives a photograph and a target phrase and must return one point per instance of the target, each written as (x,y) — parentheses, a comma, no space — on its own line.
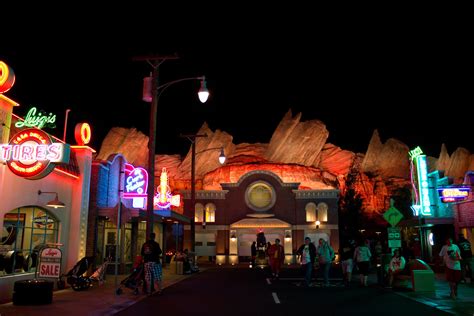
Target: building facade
(228,220)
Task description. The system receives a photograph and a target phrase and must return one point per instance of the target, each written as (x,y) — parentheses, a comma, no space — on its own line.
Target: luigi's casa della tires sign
(32,154)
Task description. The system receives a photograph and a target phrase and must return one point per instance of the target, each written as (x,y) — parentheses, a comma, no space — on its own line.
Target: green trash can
(33,292)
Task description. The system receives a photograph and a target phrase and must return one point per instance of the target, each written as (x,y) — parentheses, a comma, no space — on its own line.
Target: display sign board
(50,263)
(163,198)
(394,237)
(453,194)
(32,154)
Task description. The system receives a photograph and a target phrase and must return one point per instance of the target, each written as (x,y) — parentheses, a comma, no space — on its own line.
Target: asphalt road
(242,291)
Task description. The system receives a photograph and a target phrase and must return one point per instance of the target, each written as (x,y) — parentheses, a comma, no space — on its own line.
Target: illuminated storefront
(119,188)
(44,189)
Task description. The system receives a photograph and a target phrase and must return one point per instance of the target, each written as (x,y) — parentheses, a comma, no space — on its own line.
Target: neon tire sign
(31,154)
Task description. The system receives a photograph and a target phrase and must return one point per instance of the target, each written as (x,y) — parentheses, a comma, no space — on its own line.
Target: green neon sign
(423,186)
(39,120)
(415,152)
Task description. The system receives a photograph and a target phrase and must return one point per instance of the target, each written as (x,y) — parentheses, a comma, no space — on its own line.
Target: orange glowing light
(82,134)
(7,77)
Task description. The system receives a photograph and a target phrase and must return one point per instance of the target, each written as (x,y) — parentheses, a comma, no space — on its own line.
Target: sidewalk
(440,299)
(98,300)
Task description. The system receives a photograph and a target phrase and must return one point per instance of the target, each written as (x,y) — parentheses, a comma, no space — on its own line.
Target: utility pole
(154,62)
(192,139)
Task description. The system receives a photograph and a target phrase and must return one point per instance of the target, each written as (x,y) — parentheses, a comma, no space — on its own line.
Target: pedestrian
(151,252)
(347,264)
(362,257)
(396,266)
(325,254)
(466,261)
(452,259)
(307,253)
(253,253)
(276,256)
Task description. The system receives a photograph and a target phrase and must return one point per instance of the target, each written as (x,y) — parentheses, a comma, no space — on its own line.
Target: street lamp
(222,158)
(151,93)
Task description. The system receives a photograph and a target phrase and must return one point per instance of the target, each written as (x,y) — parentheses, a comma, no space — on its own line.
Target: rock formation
(297,142)
(297,152)
(387,160)
(131,143)
(335,160)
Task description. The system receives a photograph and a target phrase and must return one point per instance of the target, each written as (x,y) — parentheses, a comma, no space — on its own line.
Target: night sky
(409,78)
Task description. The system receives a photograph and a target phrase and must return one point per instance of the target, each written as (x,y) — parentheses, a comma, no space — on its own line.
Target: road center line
(275,297)
(269,282)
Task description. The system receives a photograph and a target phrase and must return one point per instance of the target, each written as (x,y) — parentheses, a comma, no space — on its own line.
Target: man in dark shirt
(151,252)
(466,261)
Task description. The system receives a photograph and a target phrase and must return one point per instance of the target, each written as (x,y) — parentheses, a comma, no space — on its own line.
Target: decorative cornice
(205,194)
(311,194)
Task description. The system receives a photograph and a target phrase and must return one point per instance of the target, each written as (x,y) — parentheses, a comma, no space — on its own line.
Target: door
(205,244)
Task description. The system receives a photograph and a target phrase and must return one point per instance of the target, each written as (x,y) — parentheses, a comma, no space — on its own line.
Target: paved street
(241,291)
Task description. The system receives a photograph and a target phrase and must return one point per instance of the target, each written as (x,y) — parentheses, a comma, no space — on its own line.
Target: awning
(167,215)
(426,222)
(260,223)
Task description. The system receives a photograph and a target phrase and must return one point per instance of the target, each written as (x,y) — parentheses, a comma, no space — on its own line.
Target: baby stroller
(135,279)
(75,277)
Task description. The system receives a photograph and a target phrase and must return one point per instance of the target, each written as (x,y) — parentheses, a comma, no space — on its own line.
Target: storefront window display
(25,230)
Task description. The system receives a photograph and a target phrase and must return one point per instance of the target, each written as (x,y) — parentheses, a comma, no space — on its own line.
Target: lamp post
(151,93)
(192,139)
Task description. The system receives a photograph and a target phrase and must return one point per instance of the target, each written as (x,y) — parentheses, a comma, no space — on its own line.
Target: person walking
(253,253)
(307,253)
(452,259)
(151,252)
(276,256)
(325,254)
(466,261)
(362,256)
(347,263)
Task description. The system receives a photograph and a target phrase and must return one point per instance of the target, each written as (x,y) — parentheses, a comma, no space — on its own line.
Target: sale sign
(50,263)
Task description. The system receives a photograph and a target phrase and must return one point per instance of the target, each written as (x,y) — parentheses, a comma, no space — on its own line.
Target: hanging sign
(32,154)
(50,263)
(39,120)
(136,182)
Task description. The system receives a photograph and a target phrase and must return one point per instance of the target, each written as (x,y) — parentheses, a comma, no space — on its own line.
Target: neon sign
(82,134)
(415,152)
(31,154)
(39,120)
(163,198)
(453,194)
(423,187)
(136,182)
(7,77)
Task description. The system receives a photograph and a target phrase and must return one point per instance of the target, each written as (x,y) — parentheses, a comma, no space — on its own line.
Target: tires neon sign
(32,154)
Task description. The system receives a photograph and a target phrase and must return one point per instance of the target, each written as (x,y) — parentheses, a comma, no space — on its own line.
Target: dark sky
(409,77)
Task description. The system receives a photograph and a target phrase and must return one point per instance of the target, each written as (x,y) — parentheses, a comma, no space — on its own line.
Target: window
(210,213)
(322,212)
(24,231)
(310,212)
(198,213)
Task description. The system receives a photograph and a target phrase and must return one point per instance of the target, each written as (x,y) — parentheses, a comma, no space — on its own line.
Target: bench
(419,273)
